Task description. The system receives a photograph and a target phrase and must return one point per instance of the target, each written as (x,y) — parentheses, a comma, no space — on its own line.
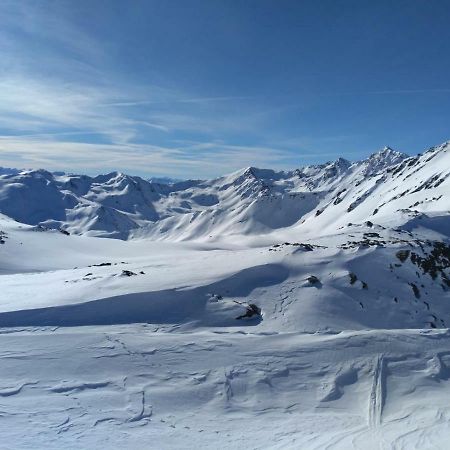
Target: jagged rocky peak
(382,159)
(388,155)
(255,172)
(251,172)
(111,177)
(36,173)
(335,168)
(341,164)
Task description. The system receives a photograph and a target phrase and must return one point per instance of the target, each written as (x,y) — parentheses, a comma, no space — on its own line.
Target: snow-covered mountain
(388,187)
(381,225)
(313,304)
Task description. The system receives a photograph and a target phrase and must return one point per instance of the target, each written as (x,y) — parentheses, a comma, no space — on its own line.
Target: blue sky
(199,88)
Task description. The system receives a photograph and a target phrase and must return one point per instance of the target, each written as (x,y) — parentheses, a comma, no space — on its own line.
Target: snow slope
(365,277)
(303,309)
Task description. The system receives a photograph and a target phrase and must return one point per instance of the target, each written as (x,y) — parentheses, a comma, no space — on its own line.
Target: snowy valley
(262,309)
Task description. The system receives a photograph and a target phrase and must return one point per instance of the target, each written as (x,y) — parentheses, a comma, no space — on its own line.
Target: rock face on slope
(388,188)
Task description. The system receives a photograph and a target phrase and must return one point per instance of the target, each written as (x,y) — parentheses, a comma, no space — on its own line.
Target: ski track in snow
(377,393)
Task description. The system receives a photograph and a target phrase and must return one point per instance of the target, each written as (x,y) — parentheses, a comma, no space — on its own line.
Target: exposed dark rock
(435,262)
(372,235)
(313,279)
(403,255)
(415,289)
(128,273)
(353,278)
(251,310)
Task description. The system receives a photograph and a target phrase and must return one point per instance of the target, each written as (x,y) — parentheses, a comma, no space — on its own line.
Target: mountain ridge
(248,201)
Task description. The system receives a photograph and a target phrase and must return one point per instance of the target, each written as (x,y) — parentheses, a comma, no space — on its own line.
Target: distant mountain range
(389,188)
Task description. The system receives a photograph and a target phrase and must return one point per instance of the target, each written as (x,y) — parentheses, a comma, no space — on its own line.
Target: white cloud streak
(62,109)
(193,160)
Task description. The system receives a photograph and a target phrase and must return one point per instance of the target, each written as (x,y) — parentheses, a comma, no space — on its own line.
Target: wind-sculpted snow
(250,201)
(141,387)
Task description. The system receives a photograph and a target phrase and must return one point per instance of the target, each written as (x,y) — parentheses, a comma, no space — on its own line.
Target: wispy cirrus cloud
(30,104)
(182,160)
(48,123)
(57,75)
(62,107)
(179,99)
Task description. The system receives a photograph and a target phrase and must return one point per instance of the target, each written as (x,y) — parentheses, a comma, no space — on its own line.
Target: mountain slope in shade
(9,171)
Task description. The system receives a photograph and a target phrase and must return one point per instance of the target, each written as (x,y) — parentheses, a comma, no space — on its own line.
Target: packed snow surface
(304,309)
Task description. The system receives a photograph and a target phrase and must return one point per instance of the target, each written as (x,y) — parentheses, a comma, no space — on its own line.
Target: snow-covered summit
(388,156)
(383,158)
